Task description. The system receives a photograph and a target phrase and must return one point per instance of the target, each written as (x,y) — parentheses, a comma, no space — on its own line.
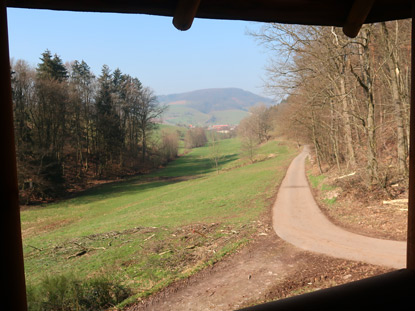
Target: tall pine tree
(81,87)
(107,121)
(51,67)
(50,122)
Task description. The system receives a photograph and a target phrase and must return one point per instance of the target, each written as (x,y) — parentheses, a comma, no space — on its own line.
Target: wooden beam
(185,13)
(13,278)
(410,257)
(357,17)
(390,291)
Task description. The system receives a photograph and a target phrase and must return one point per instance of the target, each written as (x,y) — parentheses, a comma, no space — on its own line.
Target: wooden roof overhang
(396,289)
(305,12)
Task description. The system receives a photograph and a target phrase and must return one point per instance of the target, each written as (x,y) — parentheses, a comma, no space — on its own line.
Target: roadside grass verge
(148,231)
(327,192)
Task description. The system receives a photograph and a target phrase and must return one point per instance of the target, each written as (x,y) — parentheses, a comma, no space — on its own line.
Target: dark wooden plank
(410,257)
(12,274)
(357,17)
(311,12)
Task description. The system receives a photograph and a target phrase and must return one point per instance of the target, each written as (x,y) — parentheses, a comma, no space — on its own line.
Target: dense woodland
(348,98)
(72,127)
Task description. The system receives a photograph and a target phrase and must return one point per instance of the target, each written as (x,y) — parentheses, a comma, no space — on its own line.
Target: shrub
(67,293)
(195,137)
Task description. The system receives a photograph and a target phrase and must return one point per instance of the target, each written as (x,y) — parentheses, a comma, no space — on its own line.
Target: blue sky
(211,54)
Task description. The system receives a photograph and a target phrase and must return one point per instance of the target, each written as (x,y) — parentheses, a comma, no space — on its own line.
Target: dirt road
(230,283)
(267,269)
(298,220)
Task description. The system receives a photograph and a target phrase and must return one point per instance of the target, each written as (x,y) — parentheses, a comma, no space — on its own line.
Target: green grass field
(182,114)
(151,230)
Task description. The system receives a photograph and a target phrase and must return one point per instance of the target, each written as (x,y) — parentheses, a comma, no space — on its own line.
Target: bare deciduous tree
(348,97)
(148,111)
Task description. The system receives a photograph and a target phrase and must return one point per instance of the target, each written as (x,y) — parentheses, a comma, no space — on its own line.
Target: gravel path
(298,220)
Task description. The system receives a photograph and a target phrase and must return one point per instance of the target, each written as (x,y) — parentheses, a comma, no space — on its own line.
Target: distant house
(224,128)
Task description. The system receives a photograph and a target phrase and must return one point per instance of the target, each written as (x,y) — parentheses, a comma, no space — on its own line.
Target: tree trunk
(346,121)
(333,136)
(367,84)
(393,65)
(371,140)
(144,147)
(401,146)
(315,142)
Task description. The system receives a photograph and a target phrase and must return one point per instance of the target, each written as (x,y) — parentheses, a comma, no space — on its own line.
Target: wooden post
(410,257)
(185,13)
(357,16)
(12,272)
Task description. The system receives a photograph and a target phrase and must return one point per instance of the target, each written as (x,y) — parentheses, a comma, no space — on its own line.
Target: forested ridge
(348,98)
(72,126)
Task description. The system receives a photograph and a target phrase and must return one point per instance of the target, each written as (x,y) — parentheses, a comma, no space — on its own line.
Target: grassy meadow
(151,230)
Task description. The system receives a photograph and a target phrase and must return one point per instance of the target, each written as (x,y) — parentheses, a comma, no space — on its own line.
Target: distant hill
(210,106)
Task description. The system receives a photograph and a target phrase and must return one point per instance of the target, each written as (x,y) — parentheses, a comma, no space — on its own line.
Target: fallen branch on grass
(36,248)
(150,237)
(84,250)
(191,246)
(200,233)
(79,254)
(165,252)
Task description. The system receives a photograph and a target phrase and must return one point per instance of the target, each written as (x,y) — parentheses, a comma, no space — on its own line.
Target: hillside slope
(210,106)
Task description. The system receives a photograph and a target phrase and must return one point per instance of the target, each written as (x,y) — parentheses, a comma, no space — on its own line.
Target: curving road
(298,220)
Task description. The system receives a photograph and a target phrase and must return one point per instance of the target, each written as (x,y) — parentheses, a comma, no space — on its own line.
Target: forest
(348,98)
(72,127)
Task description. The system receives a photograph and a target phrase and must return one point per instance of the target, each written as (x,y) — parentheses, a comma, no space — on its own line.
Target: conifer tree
(107,120)
(51,67)
(81,86)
